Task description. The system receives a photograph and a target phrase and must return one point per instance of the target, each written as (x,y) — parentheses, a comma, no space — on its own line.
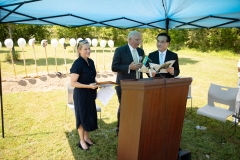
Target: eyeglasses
(84,41)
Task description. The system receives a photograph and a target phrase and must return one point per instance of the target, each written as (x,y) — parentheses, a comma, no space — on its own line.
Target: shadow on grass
(200,143)
(32,134)
(61,61)
(209,142)
(184,61)
(105,140)
(106,75)
(42,61)
(32,80)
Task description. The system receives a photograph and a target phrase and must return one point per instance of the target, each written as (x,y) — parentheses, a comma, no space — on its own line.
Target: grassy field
(39,126)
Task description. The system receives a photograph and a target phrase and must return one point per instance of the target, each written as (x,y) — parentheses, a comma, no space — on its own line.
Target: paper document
(157,67)
(105,93)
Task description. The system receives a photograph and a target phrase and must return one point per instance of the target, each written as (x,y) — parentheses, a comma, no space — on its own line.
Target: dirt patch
(44,82)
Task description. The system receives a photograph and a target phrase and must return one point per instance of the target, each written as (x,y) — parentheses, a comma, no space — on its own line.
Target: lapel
(155,57)
(140,54)
(168,56)
(129,53)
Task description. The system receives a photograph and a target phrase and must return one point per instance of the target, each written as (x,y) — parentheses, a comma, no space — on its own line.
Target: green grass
(39,126)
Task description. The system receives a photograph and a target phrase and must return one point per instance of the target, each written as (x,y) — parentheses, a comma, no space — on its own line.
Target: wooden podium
(152,115)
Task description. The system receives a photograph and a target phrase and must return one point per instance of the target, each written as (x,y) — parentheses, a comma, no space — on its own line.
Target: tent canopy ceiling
(123,14)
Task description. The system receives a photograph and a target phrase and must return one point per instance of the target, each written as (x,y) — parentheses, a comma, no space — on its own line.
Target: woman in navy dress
(83,75)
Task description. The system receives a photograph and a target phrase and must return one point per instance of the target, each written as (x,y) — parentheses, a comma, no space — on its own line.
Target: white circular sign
(72,42)
(94,42)
(54,43)
(110,43)
(21,42)
(103,43)
(8,43)
(62,41)
(31,42)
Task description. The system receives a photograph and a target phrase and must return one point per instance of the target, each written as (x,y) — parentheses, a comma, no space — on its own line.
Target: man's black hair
(166,35)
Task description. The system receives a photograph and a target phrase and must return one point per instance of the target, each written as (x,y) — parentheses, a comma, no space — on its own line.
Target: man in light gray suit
(126,61)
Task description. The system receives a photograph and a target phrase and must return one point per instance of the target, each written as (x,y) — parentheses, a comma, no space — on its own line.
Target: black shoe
(89,144)
(117,131)
(80,146)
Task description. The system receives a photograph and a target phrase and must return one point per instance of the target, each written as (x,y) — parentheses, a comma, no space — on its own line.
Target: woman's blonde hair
(79,46)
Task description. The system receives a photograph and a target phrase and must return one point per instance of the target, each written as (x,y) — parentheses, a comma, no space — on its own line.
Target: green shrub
(16,56)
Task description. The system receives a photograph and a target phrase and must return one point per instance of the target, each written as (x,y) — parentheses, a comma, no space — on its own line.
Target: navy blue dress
(84,98)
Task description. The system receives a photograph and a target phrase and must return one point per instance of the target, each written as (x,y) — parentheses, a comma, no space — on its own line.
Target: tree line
(201,39)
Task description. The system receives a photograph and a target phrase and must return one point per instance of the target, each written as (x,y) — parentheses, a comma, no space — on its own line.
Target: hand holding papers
(157,67)
(106,91)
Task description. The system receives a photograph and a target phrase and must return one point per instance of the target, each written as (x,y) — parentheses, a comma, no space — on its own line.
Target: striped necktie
(135,59)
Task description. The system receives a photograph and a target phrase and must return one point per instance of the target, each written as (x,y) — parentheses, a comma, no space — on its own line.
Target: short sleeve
(76,67)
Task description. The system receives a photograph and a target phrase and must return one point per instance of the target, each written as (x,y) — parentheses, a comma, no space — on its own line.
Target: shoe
(89,144)
(235,120)
(80,146)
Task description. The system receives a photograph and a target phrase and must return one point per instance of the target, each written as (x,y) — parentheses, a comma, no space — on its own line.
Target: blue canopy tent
(124,14)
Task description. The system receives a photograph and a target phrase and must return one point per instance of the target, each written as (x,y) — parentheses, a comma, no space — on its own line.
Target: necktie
(161,59)
(135,59)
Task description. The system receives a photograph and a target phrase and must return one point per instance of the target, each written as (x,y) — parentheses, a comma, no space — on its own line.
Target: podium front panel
(152,114)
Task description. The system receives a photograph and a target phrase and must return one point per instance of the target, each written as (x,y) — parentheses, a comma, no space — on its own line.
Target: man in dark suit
(163,41)
(126,62)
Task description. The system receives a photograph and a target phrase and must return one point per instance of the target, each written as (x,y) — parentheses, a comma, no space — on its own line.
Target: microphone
(146,61)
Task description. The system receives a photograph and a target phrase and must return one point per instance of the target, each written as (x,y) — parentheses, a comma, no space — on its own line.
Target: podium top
(154,82)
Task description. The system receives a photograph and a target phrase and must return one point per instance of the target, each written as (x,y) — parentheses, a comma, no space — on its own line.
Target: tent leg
(1,101)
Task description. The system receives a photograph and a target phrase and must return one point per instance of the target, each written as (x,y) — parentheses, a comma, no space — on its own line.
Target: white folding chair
(70,96)
(223,95)
(190,95)
(70,102)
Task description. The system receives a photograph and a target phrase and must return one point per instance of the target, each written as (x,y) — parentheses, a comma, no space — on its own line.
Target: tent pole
(1,101)
(167,25)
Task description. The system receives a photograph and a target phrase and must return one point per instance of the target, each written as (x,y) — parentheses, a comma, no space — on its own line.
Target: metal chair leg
(222,135)
(191,105)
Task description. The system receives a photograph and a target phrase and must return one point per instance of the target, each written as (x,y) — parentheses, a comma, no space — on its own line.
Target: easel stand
(25,64)
(35,59)
(46,58)
(13,62)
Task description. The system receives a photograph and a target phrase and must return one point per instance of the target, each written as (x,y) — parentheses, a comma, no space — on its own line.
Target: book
(157,67)
(106,83)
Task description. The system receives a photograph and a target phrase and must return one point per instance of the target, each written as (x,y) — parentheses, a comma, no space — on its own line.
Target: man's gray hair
(132,34)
